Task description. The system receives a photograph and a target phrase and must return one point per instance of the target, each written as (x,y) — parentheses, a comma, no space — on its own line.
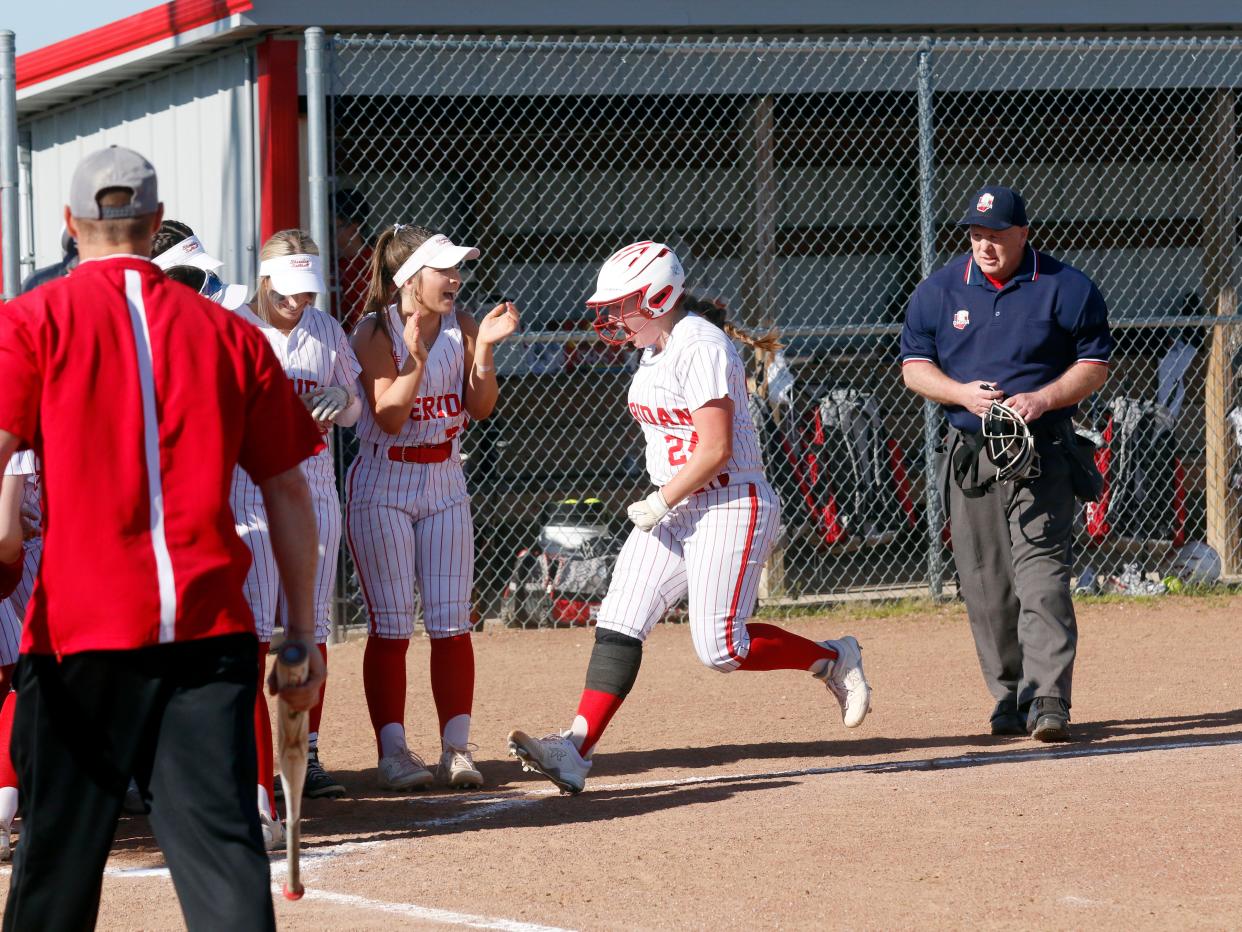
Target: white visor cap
(233,297)
(189,251)
(436,253)
(297,274)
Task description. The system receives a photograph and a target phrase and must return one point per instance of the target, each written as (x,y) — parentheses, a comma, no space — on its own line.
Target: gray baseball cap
(113,167)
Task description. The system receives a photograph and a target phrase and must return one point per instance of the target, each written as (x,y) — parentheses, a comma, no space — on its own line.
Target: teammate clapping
(426,368)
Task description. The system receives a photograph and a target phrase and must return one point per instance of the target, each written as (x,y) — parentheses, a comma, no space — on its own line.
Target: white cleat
(404,770)
(555,757)
(457,769)
(273,832)
(6,843)
(845,680)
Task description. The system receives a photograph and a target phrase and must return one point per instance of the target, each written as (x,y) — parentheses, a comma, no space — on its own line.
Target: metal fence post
(25,186)
(9,213)
(317,147)
(320,223)
(927,242)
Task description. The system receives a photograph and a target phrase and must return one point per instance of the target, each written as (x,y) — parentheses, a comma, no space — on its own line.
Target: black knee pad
(615,660)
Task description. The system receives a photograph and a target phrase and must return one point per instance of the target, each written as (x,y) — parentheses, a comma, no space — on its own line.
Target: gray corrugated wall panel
(195,125)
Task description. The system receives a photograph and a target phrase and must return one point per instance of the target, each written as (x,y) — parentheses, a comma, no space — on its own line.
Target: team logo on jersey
(984,204)
(961,318)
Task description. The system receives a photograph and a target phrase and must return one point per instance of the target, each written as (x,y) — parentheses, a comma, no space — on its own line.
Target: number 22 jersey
(698,364)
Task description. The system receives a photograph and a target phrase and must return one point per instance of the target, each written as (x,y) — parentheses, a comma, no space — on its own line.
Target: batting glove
(328,402)
(647,513)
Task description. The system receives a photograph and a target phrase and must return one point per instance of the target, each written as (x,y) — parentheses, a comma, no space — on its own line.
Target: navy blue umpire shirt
(1045,319)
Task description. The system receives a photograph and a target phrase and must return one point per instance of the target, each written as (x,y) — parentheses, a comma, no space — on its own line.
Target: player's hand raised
(499,323)
(413,341)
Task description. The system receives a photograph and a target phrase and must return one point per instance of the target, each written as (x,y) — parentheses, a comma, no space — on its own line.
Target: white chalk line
(448,917)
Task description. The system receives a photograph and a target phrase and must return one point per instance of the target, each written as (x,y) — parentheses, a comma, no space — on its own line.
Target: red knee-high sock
(263,733)
(383,682)
(597,708)
(8,775)
(773,648)
(452,677)
(316,714)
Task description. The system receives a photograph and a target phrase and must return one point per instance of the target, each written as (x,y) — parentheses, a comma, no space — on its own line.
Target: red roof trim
(125,35)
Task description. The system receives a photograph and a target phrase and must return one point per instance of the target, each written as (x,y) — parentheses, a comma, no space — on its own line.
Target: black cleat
(1049,719)
(319,783)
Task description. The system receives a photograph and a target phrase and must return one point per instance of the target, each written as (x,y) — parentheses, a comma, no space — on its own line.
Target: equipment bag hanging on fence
(1144,479)
(851,476)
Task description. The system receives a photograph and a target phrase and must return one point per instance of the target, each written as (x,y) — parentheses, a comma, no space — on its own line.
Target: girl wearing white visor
(182,256)
(426,369)
(320,363)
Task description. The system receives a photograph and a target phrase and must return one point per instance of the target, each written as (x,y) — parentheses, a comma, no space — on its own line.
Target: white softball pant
(13,609)
(711,547)
(262,586)
(409,530)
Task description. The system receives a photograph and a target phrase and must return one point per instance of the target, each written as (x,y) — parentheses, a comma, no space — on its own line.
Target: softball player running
(318,359)
(426,369)
(21,546)
(706,530)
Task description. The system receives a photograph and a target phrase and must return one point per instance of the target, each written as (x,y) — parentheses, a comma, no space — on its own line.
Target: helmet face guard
(616,321)
(1010,446)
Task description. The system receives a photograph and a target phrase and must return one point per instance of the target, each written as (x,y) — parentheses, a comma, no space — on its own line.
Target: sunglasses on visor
(208,284)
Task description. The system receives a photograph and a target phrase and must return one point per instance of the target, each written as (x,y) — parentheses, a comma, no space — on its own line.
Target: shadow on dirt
(372,815)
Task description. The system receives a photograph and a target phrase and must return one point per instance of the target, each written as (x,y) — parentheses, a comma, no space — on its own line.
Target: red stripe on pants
(741,573)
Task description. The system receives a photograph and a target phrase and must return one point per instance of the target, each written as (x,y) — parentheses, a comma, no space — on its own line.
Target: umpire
(1008,323)
(138,653)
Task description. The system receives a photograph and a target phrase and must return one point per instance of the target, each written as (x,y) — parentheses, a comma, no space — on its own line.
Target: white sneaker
(845,680)
(404,770)
(273,832)
(555,757)
(457,769)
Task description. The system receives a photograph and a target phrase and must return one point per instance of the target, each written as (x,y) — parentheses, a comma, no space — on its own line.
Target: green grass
(924,606)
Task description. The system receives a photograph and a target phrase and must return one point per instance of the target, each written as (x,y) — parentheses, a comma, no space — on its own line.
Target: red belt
(719,482)
(428,453)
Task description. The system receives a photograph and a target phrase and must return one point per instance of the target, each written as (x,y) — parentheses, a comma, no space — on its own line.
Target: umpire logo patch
(961,318)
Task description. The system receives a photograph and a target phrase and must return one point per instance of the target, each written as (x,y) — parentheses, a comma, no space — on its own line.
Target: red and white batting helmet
(639,283)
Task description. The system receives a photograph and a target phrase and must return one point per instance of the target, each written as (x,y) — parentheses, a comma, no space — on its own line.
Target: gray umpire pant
(1012,546)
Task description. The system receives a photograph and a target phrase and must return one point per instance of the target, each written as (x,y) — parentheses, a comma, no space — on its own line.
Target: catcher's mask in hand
(1009,444)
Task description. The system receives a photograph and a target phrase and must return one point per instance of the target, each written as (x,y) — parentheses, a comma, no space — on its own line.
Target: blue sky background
(38,24)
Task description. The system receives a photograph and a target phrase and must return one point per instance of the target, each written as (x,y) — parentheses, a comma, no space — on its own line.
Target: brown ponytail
(393,246)
(714,311)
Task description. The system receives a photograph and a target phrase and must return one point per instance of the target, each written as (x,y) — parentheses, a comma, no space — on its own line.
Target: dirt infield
(740,801)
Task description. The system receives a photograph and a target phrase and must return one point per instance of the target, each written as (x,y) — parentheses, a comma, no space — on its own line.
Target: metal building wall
(197,126)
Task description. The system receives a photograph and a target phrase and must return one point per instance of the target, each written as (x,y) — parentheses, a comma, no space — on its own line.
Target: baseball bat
(292,662)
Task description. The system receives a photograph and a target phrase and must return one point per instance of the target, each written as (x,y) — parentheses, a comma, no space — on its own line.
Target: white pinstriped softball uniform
(408,524)
(13,609)
(315,354)
(713,545)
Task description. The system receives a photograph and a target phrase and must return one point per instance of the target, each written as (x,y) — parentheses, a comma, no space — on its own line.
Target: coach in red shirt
(139,652)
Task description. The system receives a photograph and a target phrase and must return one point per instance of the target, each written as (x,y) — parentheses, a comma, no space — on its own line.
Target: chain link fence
(809,183)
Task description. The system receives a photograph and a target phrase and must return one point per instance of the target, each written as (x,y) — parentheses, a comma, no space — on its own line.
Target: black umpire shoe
(1006,720)
(319,783)
(1049,719)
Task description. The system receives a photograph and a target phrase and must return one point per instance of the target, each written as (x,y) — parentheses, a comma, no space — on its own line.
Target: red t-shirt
(140,397)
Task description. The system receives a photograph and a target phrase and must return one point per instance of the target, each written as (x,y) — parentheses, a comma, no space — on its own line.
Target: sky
(38,24)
